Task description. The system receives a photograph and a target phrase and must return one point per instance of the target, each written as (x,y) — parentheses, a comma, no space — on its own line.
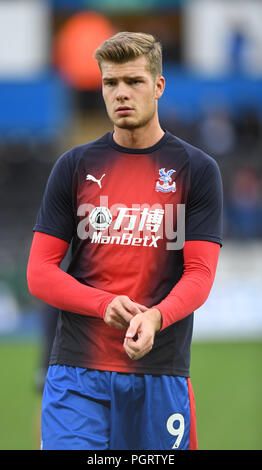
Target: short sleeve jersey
(126,213)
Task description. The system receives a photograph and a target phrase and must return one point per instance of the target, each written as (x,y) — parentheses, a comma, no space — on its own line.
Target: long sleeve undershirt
(200,263)
(48,282)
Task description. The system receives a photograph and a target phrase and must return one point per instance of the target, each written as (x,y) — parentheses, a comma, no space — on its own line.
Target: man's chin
(130,123)
(126,123)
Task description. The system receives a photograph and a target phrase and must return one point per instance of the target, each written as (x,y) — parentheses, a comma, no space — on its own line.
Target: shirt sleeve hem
(206,238)
(52,232)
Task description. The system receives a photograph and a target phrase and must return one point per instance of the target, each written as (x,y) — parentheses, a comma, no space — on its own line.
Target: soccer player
(142,210)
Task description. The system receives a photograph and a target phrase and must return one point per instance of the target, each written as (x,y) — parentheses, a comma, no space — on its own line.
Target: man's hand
(120,312)
(140,335)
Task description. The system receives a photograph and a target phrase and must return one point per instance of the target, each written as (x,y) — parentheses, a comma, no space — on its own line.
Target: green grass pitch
(226,378)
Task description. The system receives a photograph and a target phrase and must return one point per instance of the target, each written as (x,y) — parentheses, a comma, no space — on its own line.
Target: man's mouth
(123,110)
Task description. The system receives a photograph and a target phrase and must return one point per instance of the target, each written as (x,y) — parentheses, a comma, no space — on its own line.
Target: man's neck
(139,138)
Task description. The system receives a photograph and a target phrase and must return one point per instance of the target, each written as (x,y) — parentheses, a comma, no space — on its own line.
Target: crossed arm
(51,284)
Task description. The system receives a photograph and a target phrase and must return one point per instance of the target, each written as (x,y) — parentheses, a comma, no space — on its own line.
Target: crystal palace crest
(165,183)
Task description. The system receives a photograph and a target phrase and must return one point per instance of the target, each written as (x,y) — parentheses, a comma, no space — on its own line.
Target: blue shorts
(86,409)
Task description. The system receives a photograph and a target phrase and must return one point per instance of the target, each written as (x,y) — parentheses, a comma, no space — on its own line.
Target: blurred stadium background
(50,101)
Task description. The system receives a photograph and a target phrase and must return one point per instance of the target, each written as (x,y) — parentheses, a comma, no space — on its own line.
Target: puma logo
(92,178)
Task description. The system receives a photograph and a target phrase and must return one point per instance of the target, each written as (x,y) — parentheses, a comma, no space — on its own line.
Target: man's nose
(122,92)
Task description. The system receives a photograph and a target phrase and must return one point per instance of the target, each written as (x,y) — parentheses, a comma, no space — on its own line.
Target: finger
(118,325)
(113,318)
(142,308)
(130,349)
(134,326)
(133,351)
(144,341)
(114,322)
(122,314)
(131,306)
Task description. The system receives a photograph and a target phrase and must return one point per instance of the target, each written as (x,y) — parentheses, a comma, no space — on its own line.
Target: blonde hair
(126,46)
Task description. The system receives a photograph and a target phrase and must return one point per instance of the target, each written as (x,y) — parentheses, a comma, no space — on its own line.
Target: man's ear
(159,86)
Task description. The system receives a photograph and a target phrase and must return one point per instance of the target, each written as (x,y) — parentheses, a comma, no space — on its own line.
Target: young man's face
(130,92)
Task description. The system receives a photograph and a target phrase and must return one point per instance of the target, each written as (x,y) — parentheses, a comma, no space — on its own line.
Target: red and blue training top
(126,213)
